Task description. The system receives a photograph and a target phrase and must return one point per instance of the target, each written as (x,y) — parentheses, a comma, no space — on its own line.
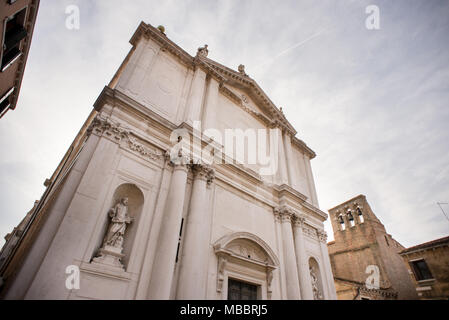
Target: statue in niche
(117,227)
(316,291)
(111,251)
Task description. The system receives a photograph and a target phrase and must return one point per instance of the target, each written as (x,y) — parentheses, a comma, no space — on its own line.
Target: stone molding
(284,214)
(322,236)
(225,251)
(222,73)
(225,240)
(299,220)
(105,127)
(309,231)
(203,172)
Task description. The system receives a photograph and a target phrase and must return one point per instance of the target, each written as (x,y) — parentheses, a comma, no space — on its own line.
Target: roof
(348,201)
(224,75)
(427,245)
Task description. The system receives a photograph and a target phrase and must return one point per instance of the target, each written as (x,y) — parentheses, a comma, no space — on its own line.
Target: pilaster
(193,272)
(285,215)
(164,262)
(302,261)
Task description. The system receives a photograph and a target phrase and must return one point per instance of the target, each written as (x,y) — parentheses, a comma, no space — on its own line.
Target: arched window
(351,218)
(341,221)
(360,214)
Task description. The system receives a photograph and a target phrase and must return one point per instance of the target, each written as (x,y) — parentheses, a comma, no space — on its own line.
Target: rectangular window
(421,270)
(14,33)
(179,240)
(5,102)
(238,290)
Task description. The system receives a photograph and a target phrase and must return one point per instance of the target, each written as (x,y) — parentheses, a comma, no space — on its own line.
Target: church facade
(185,182)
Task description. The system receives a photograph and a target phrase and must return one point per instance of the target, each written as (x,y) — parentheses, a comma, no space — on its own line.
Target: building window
(14,33)
(342,222)
(360,214)
(179,240)
(5,102)
(421,270)
(351,219)
(238,290)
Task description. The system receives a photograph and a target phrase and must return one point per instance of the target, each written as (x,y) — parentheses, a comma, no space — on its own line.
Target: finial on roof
(161,29)
(202,51)
(242,69)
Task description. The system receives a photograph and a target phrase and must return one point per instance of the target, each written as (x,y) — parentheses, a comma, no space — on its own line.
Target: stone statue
(111,251)
(241,69)
(119,220)
(316,291)
(202,51)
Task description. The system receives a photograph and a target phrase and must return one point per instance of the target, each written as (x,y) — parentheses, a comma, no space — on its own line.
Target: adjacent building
(16,29)
(365,259)
(150,203)
(428,265)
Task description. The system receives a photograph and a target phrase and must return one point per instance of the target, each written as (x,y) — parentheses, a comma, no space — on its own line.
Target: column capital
(176,161)
(299,220)
(284,214)
(204,172)
(322,235)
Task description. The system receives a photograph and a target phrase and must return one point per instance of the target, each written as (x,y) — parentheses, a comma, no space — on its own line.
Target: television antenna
(439,204)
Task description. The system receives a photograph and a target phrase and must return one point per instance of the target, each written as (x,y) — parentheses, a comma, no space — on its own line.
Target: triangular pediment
(227,77)
(238,82)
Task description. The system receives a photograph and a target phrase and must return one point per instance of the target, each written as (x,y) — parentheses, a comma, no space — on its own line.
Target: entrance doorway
(238,290)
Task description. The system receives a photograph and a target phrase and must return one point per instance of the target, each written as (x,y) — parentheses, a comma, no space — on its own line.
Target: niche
(134,204)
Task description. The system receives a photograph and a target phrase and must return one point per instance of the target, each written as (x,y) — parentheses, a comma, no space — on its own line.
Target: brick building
(428,265)
(362,251)
(18,18)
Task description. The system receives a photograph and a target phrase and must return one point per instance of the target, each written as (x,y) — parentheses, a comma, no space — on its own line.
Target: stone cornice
(222,73)
(278,119)
(166,44)
(285,189)
(315,210)
(303,146)
(360,197)
(105,127)
(114,97)
(382,291)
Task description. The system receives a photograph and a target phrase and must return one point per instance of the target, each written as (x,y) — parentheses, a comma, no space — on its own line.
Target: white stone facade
(266,230)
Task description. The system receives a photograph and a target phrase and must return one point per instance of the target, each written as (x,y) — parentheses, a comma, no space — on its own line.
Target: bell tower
(362,249)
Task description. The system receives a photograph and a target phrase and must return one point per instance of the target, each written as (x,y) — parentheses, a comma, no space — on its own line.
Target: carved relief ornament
(105,127)
(204,172)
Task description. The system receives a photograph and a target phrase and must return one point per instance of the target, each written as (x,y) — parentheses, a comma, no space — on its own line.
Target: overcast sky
(373,104)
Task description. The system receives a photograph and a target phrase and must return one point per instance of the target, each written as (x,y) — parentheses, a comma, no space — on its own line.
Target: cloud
(372,104)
